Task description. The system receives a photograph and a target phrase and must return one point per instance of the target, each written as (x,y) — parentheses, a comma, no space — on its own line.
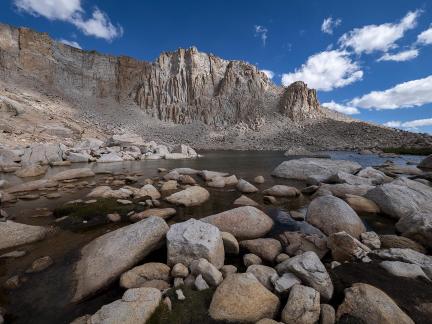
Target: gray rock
(344,177)
(284,283)
(192,196)
(208,271)
(242,298)
(14,234)
(311,271)
(79,157)
(426,163)
(42,154)
(344,247)
(32,186)
(107,257)
(251,259)
(377,177)
(417,226)
(303,306)
(371,240)
(89,144)
(200,283)
(341,190)
(301,169)
(332,215)
(243,222)
(209,175)
(33,170)
(245,201)
(264,274)
(282,191)
(73,174)
(327,315)
(110,157)
(371,305)
(246,187)
(403,269)
(136,306)
(192,240)
(297,243)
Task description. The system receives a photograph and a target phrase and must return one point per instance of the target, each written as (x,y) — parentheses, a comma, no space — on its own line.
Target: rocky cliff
(181,86)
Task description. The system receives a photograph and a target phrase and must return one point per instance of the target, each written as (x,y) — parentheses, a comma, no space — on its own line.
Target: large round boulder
(243,222)
(331,215)
(242,298)
(192,240)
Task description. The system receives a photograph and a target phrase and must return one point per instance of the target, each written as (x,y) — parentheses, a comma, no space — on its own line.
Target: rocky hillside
(185,95)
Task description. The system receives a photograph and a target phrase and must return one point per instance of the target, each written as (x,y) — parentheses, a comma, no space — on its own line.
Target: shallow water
(44,298)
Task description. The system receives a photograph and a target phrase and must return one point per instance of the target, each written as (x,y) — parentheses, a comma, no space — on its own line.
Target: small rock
(327,315)
(245,201)
(179,270)
(168,303)
(371,240)
(246,187)
(284,283)
(180,295)
(266,248)
(136,277)
(208,271)
(251,259)
(264,274)
(231,245)
(282,191)
(344,247)
(259,179)
(124,201)
(169,185)
(163,213)
(178,282)
(192,196)
(200,283)
(228,269)
(402,269)
(40,264)
(282,257)
(115,217)
(303,305)
(13,254)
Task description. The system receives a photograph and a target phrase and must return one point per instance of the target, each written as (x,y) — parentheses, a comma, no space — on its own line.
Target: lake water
(44,297)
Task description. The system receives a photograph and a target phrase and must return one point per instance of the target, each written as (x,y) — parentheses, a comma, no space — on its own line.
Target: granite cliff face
(181,86)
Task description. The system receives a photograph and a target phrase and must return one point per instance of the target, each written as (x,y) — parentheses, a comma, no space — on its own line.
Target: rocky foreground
(327,267)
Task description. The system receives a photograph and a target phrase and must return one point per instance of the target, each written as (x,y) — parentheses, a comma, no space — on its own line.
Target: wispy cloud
(412,124)
(425,37)
(401,56)
(348,110)
(261,32)
(71,11)
(329,24)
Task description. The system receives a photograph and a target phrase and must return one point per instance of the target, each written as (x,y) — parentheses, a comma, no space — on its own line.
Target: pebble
(180,295)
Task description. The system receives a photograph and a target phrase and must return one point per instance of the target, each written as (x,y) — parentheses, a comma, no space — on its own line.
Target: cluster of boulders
(283,277)
(33,160)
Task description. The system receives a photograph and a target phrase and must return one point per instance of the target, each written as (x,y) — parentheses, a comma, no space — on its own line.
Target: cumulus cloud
(261,31)
(329,24)
(413,124)
(70,43)
(382,37)
(404,95)
(348,110)
(326,71)
(425,37)
(268,73)
(99,25)
(401,56)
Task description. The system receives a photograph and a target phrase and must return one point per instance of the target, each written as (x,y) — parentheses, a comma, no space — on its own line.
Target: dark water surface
(44,297)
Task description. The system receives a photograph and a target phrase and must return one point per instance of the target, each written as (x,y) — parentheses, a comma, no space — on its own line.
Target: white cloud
(268,73)
(329,24)
(372,38)
(401,56)
(99,25)
(261,31)
(348,110)
(413,124)
(425,37)
(70,43)
(404,95)
(326,71)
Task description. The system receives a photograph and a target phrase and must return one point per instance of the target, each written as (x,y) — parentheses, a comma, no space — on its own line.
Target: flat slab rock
(14,234)
(301,169)
(104,259)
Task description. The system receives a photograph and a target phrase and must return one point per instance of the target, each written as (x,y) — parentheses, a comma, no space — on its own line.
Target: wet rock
(13,282)
(371,305)
(344,247)
(371,240)
(362,205)
(200,283)
(115,217)
(341,190)
(231,245)
(264,274)
(136,306)
(426,163)
(192,196)
(297,243)
(284,283)
(301,169)
(402,198)
(107,257)
(242,298)
(231,180)
(164,213)
(179,270)
(303,306)
(266,248)
(209,175)
(74,174)
(251,259)
(172,175)
(243,222)
(311,271)
(194,239)
(259,179)
(327,315)
(377,177)
(186,179)
(282,191)
(184,171)
(417,226)
(107,192)
(40,264)
(395,241)
(228,269)
(32,186)
(33,170)
(147,190)
(137,276)
(14,234)
(216,182)
(209,272)
(332,215)
(246,187)
(403,269)
(245,201)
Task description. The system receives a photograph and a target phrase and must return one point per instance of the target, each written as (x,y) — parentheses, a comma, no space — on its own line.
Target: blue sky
(372,59)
